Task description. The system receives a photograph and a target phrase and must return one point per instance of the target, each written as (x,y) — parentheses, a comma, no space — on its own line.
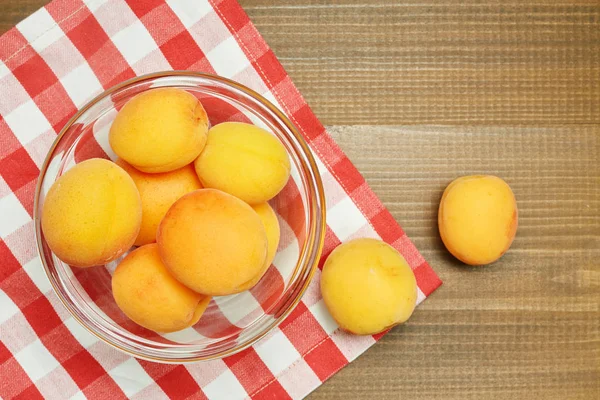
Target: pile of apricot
(193,199)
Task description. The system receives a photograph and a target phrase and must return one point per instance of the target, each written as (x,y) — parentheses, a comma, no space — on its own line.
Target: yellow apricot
(243,160)
(160,130)
(146,292)
(158,192)
(212,242)
(368,287)
(271,224)
(91,214)
(478,218)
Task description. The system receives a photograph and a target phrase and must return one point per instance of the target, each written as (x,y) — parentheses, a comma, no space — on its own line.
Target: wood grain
(439,62)
(525,327)
(439,89)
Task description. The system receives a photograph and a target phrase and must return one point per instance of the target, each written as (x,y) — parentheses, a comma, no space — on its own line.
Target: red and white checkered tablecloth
(52,63)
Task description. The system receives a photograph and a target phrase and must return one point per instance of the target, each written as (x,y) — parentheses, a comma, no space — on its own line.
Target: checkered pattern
(51,64)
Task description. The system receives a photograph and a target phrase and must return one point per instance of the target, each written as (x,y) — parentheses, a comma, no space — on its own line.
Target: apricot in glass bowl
(230,323)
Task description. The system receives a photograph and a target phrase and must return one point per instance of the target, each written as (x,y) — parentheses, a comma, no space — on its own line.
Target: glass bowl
(231,323)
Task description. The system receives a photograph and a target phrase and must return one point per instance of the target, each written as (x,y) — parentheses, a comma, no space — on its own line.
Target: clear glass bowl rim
(314,241)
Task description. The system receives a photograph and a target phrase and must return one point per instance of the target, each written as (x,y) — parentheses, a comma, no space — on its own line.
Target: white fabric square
(227,58)
(321,314)
(131,377)
(345,218)
(57,384)
(78,396)
(93,5)
(7,307)
(36,360)
(36,272)
(134,42)
(351,345)
(13,214)
(236,314)
(420,296)
(225,386)
(81,84)
(40,29)
(27,122)
(299,380)
(3,70)
(277,352)
(85,338)
(190,12)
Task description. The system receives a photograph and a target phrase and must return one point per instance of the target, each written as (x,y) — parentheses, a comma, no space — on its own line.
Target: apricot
(212,242)
(271,224)
(243,160)
(146,292)
(368,286)
(159,130)
(478,218)
(158,192)
(92,213)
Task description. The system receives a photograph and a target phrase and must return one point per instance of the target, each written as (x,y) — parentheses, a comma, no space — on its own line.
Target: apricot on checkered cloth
(160,130)
(271,224)
(478,218)
(146,292)
(368,286)
(243,160)
(92,213)
(212,242)
(158,192)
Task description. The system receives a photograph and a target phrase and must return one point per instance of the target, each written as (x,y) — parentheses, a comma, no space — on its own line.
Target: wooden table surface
(420,92)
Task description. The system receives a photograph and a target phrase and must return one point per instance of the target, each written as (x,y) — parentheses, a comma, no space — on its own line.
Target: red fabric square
(249,369)
(273,391)
(41,316)
(8,261)
(269,289)
(178,383)
(13,379)
(428,280)
(219,110)
(104,388)
(162,23)
(156,370)
(88,36)
(4,353)
(386,226)
(20,288)
(26,195)
(12,41)
(31,393)
(232,12)
(141,8)
(83,368)
(56,105)
(308,123)
(348,174)
(61,9)
(268,65)
(113,72)
(302,329)
(18,169)
(182,51)
(62,343)
(8,141)
(35,75)
(326,359)
(88,147)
